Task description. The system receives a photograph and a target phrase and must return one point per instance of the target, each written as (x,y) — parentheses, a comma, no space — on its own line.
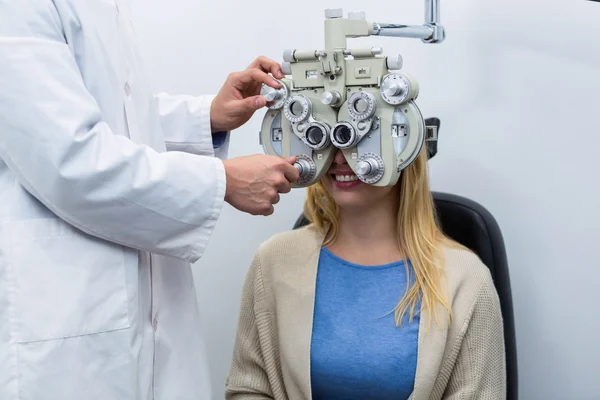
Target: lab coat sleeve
(55,141)
(185,121)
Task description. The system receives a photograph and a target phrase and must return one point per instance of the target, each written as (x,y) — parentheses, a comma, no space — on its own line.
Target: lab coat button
(127,88)
(155,324)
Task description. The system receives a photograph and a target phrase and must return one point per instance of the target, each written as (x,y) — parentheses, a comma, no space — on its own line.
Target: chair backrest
(470,224)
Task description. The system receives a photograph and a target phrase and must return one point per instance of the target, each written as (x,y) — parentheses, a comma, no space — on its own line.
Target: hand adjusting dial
(275,98)
(307,169)
(271,94)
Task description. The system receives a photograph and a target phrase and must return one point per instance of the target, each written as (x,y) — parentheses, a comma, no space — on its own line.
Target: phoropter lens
(361,106)
(296,109)
(314,135)
(342,134)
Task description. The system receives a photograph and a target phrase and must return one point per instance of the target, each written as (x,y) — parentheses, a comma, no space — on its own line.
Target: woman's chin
(351,198)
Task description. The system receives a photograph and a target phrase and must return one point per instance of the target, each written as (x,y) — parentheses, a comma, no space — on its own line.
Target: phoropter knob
(394,62)
(306,168)
(366,168)
(391,88)
(334,13)
(288,55)
(369,168)
(270,94)
(303,167)
(286,68)
(332,98)
(275,97)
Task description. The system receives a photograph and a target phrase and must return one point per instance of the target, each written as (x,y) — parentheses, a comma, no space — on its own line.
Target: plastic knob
(357,15)
(334,13)
(394,62)
(286,68)
(288,55)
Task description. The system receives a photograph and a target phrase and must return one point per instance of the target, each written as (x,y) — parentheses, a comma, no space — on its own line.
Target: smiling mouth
(344,177)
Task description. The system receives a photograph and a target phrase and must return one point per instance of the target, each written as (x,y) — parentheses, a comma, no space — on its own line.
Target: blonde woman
(370,301)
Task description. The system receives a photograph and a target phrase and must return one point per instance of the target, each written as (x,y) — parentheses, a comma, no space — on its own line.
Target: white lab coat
(98,221)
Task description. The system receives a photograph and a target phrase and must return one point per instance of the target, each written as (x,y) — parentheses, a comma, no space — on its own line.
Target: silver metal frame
(430,32)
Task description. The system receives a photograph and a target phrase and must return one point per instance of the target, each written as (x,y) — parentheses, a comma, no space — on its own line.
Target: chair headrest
(432,145)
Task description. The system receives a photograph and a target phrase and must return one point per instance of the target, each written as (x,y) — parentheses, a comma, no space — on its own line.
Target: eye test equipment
(356,100)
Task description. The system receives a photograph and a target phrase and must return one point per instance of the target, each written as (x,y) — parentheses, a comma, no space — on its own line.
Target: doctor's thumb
(254,102)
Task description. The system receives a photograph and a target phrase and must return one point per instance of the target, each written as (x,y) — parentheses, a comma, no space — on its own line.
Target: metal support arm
(430,32)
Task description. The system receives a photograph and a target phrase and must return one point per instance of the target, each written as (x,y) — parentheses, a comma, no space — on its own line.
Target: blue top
(357,351)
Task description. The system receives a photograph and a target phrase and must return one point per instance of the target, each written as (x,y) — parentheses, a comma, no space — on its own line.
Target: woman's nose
(339,158)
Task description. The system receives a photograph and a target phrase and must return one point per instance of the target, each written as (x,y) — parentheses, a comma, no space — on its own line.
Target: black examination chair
(470,224)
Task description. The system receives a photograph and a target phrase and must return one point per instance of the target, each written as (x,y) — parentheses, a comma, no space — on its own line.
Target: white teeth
(345,178)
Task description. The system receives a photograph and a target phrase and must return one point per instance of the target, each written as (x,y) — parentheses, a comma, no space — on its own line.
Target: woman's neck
(368,237)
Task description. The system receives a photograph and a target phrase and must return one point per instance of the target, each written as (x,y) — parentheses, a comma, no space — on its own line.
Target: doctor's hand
(240,96)
(254,182)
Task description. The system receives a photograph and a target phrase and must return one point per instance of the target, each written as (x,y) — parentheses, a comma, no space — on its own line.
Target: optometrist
(107,193)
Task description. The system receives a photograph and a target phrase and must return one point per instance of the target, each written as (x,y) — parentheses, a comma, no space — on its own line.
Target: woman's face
(349,192)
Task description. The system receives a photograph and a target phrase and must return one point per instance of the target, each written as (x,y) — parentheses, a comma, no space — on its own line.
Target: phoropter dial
(362,105)
(275,98)
(396,89)
(369,168)
(297,108)
(306,168)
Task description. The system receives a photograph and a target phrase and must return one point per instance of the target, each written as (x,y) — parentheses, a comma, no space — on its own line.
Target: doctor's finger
(268,211)
(252,76)
(275,198)
(284,188)
(290,172)
(282,184)
(268,65)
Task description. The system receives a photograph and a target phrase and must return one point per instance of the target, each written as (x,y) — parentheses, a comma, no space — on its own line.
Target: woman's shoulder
(462,263)
(288,245)
(466,274)
(288,259)
(469,280)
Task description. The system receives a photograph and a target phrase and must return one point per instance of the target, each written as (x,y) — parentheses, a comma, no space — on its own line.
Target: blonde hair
(419,235)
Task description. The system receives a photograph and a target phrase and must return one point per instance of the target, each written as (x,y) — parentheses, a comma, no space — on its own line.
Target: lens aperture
(361,106)
(314,135)
(342,134)
(296,109)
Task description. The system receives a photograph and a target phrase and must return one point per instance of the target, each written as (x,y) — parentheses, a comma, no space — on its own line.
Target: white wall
(517,86)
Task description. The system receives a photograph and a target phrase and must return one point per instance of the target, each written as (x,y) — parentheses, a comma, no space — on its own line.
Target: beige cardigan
(271,359)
